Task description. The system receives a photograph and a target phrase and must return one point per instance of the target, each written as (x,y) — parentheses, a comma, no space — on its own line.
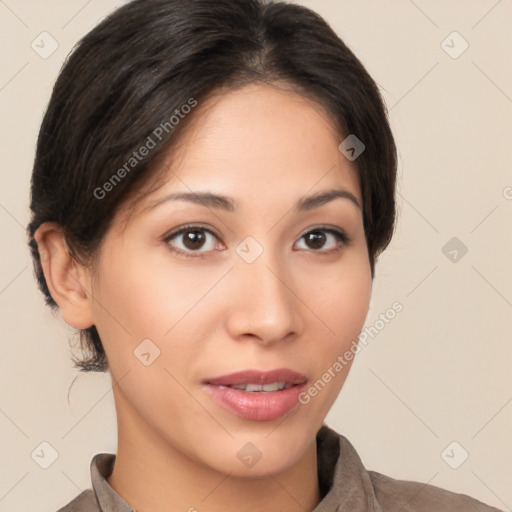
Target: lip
(258,406)
(258,377)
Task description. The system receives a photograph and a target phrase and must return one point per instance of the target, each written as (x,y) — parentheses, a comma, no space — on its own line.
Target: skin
(298,305)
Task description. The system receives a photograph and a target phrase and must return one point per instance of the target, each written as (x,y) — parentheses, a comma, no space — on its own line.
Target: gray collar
(345,484)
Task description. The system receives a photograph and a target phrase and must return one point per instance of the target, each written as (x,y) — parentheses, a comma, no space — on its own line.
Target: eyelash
(341,236)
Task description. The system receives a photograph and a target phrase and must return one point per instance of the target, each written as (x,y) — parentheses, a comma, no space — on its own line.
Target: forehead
(258,140)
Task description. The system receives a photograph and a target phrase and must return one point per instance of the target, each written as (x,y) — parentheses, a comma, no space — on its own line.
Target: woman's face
(255,282)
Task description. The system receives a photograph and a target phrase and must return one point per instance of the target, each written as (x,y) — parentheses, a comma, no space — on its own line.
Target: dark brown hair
(132,82)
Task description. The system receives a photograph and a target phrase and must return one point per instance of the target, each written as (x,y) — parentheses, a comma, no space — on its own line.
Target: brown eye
(192,239)
(317,239)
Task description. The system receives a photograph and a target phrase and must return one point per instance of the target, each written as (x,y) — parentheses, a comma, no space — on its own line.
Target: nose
(265,305)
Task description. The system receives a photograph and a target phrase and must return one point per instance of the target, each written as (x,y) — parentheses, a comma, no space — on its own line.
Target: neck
(153,476)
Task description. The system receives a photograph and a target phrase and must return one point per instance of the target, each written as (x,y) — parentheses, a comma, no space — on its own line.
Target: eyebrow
(230,205)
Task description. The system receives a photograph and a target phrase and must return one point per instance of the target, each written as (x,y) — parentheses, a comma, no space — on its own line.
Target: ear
(68,281)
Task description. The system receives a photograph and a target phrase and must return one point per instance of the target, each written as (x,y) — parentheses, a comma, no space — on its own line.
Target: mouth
(257,395)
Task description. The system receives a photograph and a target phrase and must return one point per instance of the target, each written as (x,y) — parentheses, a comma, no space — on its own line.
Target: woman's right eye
(190,239)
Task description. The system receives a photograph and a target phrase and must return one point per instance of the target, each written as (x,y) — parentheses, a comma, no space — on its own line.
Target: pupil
(194,239)
(318,239)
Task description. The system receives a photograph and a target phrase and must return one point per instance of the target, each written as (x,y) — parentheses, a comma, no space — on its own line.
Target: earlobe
(67,279)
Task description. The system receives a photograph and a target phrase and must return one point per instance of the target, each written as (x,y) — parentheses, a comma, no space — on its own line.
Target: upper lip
(258,377)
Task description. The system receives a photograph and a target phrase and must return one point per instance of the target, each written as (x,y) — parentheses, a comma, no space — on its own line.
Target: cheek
(151,300)
(340,299)
(152,323)
(140,298)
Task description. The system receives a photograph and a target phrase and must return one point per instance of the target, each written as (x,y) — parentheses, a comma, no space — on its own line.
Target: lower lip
(258,406)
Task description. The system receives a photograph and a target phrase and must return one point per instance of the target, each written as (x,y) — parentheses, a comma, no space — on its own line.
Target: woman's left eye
(196,241)
(318,237)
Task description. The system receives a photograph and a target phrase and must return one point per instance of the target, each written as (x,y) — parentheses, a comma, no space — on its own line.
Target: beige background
(439,372)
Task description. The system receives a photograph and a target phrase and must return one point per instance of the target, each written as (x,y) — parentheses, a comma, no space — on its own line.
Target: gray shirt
(345,486)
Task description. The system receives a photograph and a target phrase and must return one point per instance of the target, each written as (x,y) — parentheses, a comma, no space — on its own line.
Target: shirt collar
(102,465)
(345,484)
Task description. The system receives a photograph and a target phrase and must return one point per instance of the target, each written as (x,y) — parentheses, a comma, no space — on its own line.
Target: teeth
(254,388)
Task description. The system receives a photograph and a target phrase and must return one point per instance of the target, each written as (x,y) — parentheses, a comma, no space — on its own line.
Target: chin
(256,454)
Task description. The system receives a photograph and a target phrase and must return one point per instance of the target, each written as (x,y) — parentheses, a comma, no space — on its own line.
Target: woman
(213,184)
